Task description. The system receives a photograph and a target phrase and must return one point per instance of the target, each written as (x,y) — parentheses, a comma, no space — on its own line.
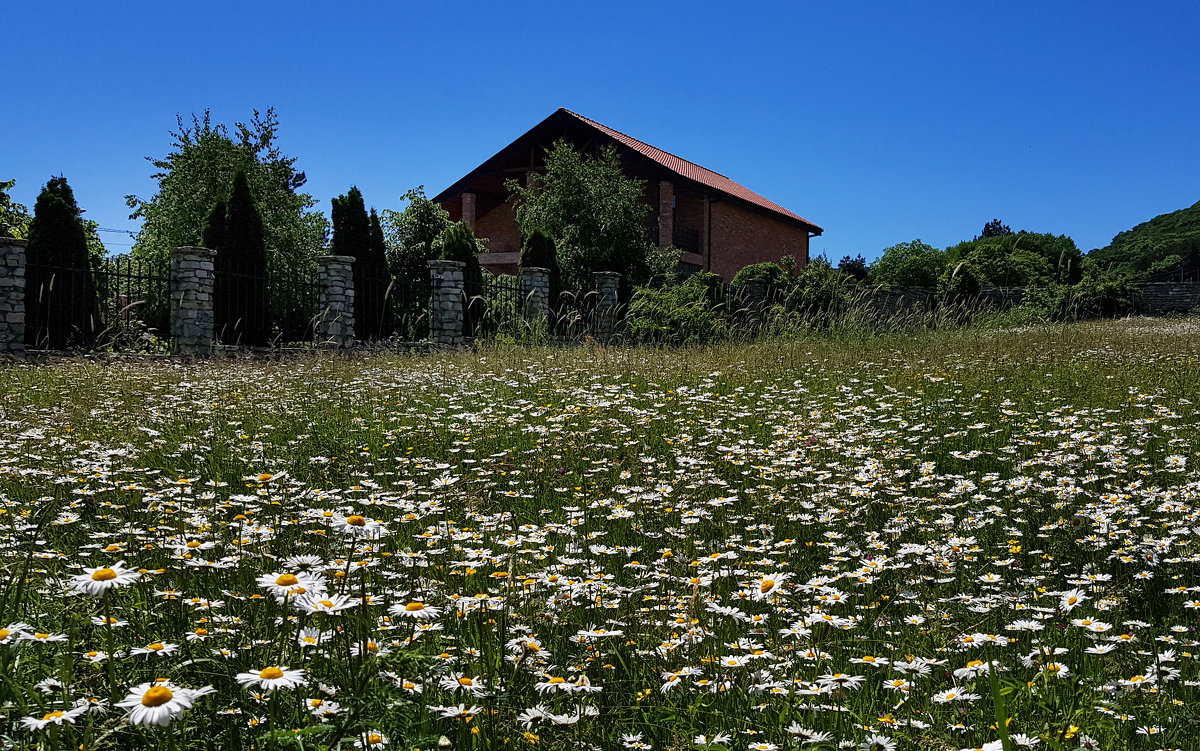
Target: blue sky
(881,122)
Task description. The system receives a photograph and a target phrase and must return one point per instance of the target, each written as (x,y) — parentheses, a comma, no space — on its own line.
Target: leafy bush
(910,264)
(768,272)
(459,244)
(676,314)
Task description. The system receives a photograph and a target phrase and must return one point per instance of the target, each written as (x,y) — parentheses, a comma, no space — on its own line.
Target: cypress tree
(60,296)
(224,316)
(245,268)
(372,276)
(539,251)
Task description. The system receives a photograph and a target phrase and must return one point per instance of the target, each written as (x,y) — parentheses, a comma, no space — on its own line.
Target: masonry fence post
(192,300)
(608,283)
(535,293)
(335,319)
(12,296)
(446,302)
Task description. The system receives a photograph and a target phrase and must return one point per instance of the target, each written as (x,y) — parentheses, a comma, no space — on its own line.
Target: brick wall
(742,236)
(499,226)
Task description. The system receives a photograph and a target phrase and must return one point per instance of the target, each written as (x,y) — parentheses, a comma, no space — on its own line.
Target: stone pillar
(754,295)
(666,214)
(446,302)
(608,283)
(468,210)
(335,321)
(535,291)
(192,300)
(12,296)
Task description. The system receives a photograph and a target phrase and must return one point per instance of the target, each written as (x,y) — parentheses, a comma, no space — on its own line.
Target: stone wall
(446,302)
(12,297)
(192,300)
(535,293)
(1156,298)
(335,317)
(608,285)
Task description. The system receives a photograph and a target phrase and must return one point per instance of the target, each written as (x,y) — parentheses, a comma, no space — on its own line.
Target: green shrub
(677,314)
(768,272)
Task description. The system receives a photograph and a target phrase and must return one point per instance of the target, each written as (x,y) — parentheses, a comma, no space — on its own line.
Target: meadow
(974,539)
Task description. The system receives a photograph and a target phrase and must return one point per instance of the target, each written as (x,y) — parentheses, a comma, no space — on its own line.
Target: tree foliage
(14,217)
(360,236)
(412,235)
(60,294)
(594,213)
(856,268)
(910,264)
(241,309)
(995,228)
(198,171)
(459,244)
(1168,242)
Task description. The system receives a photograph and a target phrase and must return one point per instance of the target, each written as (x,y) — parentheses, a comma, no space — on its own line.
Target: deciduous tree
(594,213)
(198,171)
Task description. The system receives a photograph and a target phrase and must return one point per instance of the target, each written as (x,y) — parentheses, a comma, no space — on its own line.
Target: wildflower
(97,581)
(54,717)
(42,637)
(13,632)
(371,739)
(769,584)
(417,610)
(954,694)
(284,584)
(322,709)
(876,742)
(323,603)
(1070,599)
(458,682)
(160,702)
(159,649)
(460,712)
(273,678)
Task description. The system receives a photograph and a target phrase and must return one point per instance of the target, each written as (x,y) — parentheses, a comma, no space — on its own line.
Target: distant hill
(1168,242)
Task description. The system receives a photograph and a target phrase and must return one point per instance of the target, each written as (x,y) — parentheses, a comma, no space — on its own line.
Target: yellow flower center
(558,679)
(413,607)
(356,521)
(287,580)
(52,715)
(157,696)
(103,575)
(372,646)
(374,738)
(271,674)
(464,681)
(4,634)
(326,603)
(41,636)
(766,585)
(194,544)
(201,632)
(112,548)
(155,647)
(316,702)
(308,639)
(265,476)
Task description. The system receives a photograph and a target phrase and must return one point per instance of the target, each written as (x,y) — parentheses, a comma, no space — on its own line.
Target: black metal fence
(400,313)
(120,302)
(494,305)
(265,310)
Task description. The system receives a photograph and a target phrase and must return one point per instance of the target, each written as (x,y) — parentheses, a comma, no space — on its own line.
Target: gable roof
(688,170)
(692,171)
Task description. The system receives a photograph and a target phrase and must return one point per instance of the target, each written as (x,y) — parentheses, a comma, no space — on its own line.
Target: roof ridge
(644,143)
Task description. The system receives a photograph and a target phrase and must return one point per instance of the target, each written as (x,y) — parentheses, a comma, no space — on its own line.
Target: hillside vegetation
(1167,242)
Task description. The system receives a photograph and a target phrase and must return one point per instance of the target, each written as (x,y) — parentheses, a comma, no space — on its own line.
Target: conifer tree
(539,252)
(242,274)
(60,295)
(373,278)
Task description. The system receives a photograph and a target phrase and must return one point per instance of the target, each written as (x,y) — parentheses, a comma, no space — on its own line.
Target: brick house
(720,225)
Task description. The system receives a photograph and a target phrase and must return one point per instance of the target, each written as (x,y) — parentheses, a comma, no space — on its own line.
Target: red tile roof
(691,170)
